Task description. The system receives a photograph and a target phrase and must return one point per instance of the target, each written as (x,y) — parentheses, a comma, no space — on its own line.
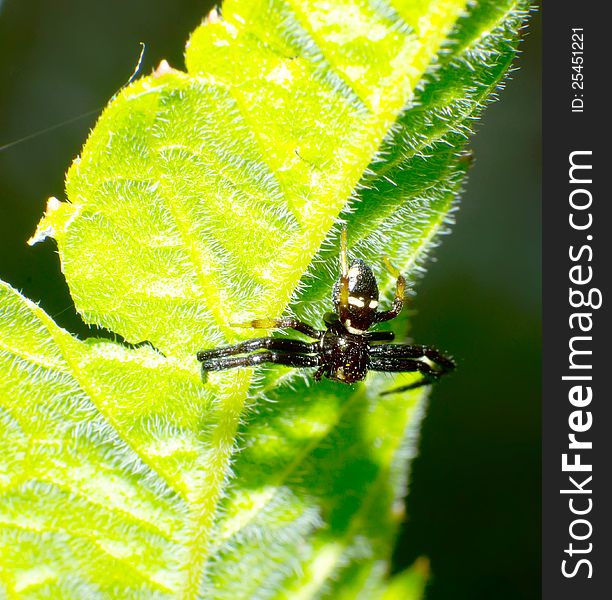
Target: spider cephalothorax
(346,350)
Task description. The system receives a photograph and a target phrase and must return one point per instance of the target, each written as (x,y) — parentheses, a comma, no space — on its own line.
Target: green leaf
(409,584)
(214,196)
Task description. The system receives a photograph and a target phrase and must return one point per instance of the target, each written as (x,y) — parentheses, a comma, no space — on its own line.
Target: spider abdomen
(344,357)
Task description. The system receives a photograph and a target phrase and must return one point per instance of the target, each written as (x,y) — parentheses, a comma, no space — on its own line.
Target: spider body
(346,349)
(344,356)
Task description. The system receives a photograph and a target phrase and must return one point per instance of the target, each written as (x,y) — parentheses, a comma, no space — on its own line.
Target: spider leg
(395,358)
(381,336)
(263,343)
(269,356)
(398,302)
(343,304)
(405,365)
(286,323)
(414,351)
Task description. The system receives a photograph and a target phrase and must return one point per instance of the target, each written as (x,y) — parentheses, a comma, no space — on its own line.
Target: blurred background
(474,502)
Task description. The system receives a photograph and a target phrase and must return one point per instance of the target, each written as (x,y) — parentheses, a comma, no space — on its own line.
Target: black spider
(346,350)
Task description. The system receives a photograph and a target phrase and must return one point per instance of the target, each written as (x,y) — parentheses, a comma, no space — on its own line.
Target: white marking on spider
(428,361)
(347,324)
(359,302)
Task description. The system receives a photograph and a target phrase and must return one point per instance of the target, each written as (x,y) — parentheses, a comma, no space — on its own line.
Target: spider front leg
(292,353)
(398,302)
(343,290)
(406,358)
(264,343)
(250,360)
(286,323)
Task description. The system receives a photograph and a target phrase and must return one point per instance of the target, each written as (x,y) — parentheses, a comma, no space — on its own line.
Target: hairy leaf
(213,196)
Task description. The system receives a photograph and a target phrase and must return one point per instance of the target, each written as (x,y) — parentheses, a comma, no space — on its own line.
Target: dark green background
(474,506)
